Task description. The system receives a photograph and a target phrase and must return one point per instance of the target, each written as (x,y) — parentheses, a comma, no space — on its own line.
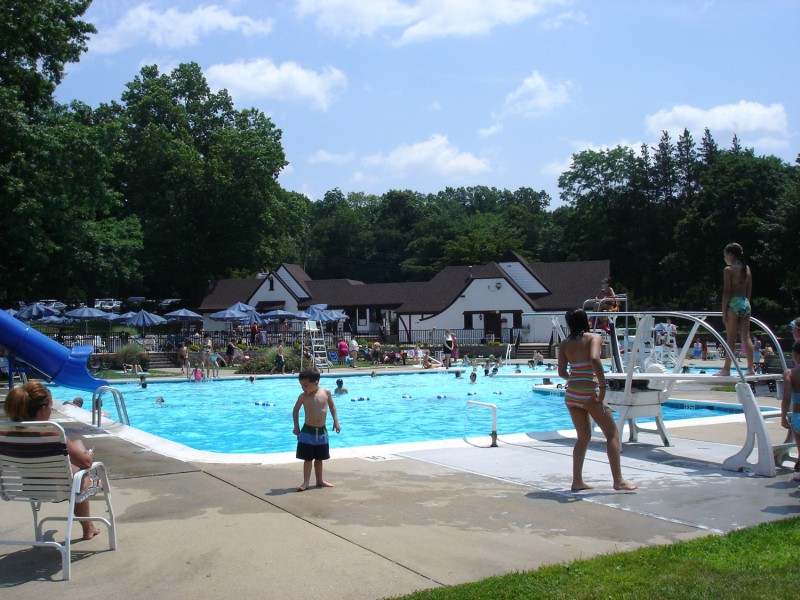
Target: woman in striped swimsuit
(586,390)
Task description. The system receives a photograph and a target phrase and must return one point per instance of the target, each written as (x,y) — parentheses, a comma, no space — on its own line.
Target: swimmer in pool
(340,389)
(473,377)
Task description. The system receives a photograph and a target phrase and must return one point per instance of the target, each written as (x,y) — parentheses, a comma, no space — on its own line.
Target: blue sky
(373,95)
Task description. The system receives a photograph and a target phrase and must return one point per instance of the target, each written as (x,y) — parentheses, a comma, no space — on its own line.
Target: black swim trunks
(312,443)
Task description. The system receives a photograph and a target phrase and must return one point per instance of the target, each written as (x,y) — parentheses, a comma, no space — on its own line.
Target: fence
(290,332)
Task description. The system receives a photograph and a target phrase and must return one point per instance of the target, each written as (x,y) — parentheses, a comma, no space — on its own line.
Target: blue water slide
(56,362)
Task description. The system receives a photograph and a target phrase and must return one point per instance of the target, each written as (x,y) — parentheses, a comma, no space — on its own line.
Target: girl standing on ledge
(736,290)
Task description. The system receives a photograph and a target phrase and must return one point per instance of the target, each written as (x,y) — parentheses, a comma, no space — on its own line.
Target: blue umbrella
(228,315)
(335,315)
(11,311)
(55,319)
(315,312)
(284,314)
(36,311)
(254,317)
(183,315)
(242,307)
(87,313)
(145,319)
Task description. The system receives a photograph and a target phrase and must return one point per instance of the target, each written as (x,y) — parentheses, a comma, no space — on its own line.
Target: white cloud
(434,106)
(323,156)
(357,17)
(172,28)
(262,78)
(491,130)
(536,96)
(421,19)
(564,19)
(741,118)
(435,155)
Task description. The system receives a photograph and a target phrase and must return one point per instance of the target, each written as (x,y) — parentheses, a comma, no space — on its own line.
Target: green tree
(202,177)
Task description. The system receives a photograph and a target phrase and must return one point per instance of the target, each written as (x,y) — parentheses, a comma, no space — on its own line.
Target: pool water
(239,416)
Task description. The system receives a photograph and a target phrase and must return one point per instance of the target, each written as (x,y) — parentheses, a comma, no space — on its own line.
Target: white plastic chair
(35,468)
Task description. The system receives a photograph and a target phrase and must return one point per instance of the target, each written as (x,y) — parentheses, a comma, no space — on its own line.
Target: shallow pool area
(239,416)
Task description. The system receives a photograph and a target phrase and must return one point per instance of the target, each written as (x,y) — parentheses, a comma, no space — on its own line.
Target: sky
(379,95)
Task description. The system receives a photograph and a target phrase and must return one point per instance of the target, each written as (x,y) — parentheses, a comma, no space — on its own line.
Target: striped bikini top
(582,371)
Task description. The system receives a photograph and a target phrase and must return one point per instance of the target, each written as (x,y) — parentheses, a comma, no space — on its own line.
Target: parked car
(169,303)
(108,304)
(57,304)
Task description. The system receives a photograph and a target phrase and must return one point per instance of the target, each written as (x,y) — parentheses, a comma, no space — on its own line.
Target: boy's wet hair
(309,375)
(339,382)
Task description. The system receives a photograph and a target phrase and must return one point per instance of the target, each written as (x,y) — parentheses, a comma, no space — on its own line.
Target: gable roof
(555,286)
(224,292)
(570,283)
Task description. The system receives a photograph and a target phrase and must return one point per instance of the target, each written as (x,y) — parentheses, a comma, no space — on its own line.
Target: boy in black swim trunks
(312,439)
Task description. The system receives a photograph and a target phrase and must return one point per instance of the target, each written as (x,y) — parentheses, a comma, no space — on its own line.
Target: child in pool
(312,439)
(791,399)
(340,389)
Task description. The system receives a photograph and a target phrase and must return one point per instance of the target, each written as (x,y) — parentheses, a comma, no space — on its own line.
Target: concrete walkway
(395,522)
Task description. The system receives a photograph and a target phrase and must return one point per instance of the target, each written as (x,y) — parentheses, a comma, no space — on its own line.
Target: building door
(491,325)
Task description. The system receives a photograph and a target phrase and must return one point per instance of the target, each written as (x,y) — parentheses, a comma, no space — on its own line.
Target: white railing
(494,417)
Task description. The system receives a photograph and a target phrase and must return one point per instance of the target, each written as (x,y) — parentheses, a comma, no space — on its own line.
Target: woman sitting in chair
(33,402)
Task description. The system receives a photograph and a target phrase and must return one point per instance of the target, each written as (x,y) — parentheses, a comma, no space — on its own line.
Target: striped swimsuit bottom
(578,396)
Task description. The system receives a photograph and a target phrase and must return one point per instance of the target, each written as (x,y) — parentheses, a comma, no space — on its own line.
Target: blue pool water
(237,416)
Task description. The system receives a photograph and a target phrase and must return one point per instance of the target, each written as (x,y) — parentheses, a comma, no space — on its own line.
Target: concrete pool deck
(396,521)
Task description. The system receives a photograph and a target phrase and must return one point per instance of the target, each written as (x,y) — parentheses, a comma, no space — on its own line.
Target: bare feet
(302,488)
(625,486)
(90,532)
(324,484)
(578,487)
(722,373)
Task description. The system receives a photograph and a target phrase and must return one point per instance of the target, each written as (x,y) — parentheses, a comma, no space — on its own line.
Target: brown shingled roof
(570,283)
(224,292)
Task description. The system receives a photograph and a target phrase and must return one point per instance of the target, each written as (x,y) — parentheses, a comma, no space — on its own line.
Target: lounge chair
(35,468)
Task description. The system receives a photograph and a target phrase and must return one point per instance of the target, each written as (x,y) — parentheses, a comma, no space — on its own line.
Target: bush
(263,364)
(131,354)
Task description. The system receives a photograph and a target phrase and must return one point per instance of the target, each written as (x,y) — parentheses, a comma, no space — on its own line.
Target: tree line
(171,186)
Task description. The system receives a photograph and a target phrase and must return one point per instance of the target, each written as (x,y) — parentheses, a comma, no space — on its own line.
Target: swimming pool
(237,416)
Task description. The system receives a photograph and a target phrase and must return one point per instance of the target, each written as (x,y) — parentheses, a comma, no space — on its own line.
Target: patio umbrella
(334,315)
(228,315)
(242,307)
(55,319)
(145,319)
(315,312)
(36,311)
(11,311)
(183,315)
(284,314)
(86,314)
(254,317)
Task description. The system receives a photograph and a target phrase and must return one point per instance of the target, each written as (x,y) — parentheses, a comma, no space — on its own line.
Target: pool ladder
(97,405)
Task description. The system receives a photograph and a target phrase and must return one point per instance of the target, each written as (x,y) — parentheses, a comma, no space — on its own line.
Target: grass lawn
(758,562)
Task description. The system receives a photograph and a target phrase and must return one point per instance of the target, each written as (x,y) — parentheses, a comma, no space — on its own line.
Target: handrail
(97,405)
(494,418)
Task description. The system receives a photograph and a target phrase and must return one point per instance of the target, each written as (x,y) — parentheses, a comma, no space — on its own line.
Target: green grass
(758,562)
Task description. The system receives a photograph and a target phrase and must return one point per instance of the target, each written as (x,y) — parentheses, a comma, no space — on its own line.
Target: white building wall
(482,295)
(537,328)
